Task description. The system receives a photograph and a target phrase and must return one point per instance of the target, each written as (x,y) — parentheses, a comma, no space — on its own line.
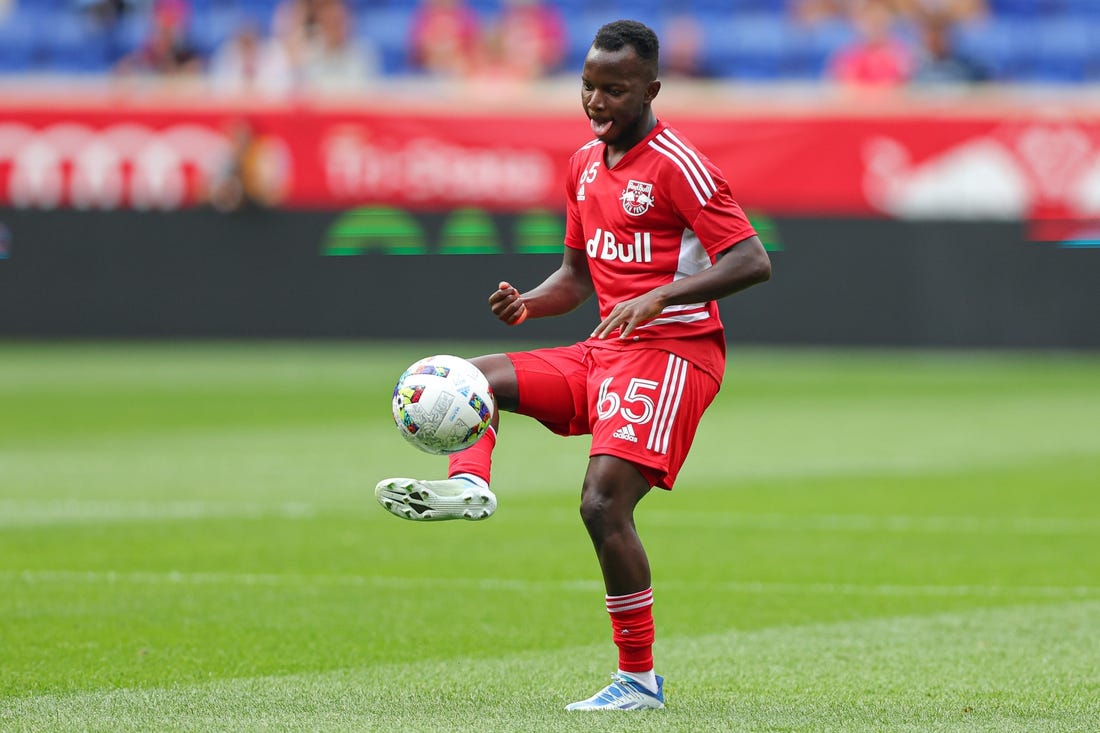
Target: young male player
(654,232)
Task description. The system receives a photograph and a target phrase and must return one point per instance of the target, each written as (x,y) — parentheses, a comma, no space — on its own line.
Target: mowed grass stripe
(277,580)
(783,441)
(1021,668)
(16,513)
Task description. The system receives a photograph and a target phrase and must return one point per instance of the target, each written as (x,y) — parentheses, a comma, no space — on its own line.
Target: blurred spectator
(252,174)
(527,40)
(682,48)
(292,25)
(165,50)
(938,61)
(951,11)
(248,63)
(445,38)
(104,13)
(812,11)
(228,188)
(816,11)
(334,59)
(877,58)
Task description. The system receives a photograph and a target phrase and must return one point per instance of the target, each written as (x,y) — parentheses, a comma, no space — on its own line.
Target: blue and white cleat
(433,501)
(624,694)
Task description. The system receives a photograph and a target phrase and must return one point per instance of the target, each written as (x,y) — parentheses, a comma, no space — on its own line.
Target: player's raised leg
(465,493)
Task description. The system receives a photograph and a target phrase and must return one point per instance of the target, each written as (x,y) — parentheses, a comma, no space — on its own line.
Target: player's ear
(652,90)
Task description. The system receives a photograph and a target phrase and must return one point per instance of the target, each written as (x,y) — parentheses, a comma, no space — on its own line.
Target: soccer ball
(442,404)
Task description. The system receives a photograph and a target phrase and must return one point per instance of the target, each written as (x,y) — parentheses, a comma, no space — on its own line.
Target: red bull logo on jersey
(637,197)
(605,246)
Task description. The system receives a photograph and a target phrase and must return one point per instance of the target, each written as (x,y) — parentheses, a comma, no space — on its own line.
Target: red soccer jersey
(661,213)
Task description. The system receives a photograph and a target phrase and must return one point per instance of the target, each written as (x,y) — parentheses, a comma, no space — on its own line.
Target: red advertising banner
(899,164)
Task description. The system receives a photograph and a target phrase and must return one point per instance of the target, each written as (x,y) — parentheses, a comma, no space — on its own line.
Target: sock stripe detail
(618,604)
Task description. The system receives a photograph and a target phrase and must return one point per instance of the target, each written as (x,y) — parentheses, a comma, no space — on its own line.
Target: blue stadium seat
(210,29)
(810,48)
(74,45)
(17,46)
(48,6)
(1060,50)
(996,44)
(129,34)
(1089,9)
(580,27)
(724,8)
(485,8)
(572,7)
(263,8)
(1022,8)
(387,29)
(747,47)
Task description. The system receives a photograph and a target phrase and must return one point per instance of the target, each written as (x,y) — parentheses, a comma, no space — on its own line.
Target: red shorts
(642,405)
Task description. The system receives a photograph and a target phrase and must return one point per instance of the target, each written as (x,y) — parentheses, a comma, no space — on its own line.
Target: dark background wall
(259,274)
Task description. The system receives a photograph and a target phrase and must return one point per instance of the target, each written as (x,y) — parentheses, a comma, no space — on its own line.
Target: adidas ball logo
(626,432)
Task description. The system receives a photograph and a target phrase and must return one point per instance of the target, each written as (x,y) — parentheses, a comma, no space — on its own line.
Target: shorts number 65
(610,402)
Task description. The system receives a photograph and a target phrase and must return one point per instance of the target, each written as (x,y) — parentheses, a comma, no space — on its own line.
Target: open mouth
(600,128)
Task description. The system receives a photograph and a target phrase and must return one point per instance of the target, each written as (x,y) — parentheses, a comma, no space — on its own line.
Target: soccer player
(653,230)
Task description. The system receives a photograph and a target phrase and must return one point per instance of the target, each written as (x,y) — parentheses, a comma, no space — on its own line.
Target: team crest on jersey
(637,197)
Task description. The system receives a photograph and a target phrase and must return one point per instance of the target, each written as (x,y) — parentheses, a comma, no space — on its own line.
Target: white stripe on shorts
(668,404)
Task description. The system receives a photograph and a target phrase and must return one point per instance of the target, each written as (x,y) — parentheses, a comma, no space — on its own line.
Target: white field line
(873,523)
(15,513)
(19,513)
(277,580)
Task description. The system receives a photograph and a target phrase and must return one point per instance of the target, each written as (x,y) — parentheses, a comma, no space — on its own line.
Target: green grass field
(862,541)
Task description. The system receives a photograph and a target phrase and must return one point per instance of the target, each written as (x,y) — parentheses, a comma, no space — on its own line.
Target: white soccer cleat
(624,694)
(427,501)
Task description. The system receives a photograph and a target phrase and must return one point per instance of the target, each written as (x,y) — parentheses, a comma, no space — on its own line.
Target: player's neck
(615,153)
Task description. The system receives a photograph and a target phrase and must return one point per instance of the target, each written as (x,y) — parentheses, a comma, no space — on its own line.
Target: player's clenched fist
(507,305)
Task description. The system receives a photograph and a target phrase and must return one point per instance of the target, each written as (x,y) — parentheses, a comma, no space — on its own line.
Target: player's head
(622,34)
(619,82)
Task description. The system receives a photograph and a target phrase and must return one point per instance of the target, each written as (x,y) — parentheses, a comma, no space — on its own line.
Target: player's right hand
(507,305)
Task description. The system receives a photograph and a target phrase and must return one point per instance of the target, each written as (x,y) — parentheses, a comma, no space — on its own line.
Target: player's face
(617,88)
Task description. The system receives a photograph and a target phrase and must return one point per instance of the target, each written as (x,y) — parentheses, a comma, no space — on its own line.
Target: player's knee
(604,514)
(501,374)
(594,512)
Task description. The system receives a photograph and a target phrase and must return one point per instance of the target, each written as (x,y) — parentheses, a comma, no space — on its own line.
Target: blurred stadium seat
(749,47)
(18,47)
(387,28)
(1029,41)
(73,44)
(995,44)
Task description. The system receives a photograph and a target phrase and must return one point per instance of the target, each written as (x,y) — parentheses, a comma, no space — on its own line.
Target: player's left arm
(736,268)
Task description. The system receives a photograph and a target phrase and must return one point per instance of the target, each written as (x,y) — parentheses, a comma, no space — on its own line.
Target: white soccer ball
(442,404)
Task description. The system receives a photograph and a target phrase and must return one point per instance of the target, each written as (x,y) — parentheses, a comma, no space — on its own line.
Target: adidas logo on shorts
(626,432)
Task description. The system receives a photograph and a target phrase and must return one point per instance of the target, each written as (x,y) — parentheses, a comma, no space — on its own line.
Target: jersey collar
(639,146)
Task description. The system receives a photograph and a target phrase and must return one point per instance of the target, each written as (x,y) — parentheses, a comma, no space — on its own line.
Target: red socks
(632,627)
(477,460)
(631,615)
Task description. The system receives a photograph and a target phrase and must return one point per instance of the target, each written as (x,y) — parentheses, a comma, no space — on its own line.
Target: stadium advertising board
(906,165)
(391,274)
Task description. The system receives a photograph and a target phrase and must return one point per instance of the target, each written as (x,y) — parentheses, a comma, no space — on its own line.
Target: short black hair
(620,33)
